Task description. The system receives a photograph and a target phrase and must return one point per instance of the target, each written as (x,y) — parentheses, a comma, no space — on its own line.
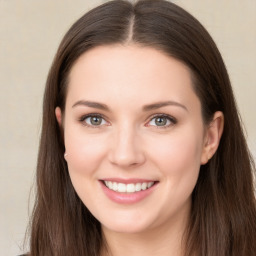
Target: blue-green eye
(162,121)
(94,120)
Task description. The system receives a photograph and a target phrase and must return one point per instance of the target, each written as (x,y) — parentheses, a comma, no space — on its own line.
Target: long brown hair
(223,214)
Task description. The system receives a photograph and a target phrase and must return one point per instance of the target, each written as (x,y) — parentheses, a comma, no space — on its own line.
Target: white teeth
(128,188)
(138,187)
(121,187)
(115,186)
(150,184)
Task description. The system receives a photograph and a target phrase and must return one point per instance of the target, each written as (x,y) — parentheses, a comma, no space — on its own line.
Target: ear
(58,115)
(212,137)
(59,118)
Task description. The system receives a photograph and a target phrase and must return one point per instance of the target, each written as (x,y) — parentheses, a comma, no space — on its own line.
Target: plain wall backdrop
(30,31)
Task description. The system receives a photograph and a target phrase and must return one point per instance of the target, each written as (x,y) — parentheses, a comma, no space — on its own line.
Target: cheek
(178,160)
(178,157)
(84,152)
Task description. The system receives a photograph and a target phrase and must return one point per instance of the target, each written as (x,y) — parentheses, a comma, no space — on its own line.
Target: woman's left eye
(94,120)
(161,121)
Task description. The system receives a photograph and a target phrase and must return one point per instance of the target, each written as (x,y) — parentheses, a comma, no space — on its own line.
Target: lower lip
(127,198)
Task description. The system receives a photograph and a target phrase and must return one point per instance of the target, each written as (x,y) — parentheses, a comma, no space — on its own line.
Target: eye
(93,120)
(162,121)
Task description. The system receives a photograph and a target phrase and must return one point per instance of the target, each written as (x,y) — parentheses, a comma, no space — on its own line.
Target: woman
(142,150)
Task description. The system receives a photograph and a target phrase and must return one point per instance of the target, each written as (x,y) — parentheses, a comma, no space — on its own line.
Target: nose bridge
(126,149)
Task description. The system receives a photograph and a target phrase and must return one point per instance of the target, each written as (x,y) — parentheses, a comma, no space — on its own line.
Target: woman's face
(134,137)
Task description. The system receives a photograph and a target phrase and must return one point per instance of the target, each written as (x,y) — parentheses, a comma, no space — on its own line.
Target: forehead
(132,73)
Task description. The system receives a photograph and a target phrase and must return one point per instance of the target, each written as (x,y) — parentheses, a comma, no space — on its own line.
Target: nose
(126,149)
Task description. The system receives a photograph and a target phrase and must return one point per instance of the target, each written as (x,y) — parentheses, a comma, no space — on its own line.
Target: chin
(124,228)
(127,225)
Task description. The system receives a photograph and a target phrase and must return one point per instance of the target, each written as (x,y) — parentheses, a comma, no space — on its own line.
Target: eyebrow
(149,107)
(91,104)
(163,104)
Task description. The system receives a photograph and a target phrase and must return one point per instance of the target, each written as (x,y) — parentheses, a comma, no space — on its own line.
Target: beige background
(30,31)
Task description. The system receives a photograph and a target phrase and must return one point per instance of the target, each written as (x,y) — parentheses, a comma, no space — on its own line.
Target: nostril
(126,149)
(126,160)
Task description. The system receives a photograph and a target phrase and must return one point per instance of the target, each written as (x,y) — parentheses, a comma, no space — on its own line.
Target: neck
(163,240)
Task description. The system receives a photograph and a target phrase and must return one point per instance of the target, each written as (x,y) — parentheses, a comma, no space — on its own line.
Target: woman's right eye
(93,120)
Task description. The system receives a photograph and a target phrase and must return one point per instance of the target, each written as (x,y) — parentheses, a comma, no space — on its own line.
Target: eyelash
(171,119)
(83,118)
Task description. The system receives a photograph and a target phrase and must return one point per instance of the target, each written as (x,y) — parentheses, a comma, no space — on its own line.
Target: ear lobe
(58,115)
(212,137)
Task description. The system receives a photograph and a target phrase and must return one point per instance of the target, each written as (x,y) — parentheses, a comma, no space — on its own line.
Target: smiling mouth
(128,188)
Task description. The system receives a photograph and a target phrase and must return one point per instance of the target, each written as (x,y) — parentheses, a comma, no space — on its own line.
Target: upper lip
(128,181)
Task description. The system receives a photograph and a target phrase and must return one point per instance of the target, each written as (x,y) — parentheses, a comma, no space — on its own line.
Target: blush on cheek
(180,156)
(83,155)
